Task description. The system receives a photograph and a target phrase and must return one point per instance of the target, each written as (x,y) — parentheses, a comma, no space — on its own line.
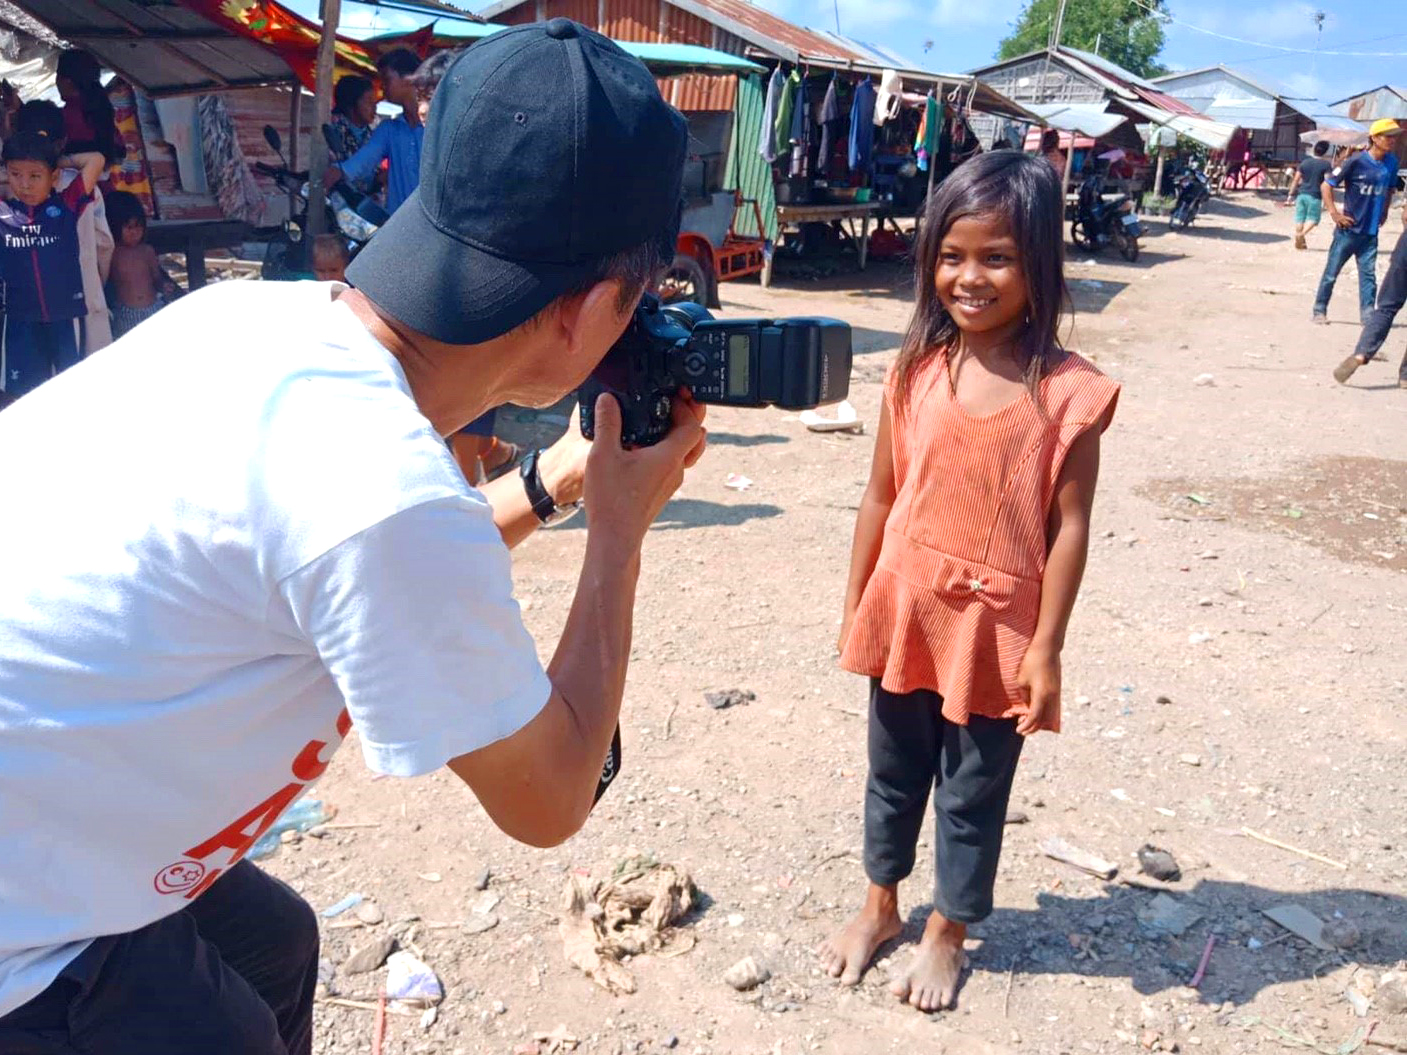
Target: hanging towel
(929,126)
(831,118)
(862,127)
(890,98)
(767,134)
(786,106)
(800,129)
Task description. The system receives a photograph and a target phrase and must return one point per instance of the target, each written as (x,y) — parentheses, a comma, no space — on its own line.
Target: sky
(965,34)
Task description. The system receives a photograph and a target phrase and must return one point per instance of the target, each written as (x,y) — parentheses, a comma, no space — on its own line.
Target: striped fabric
(953,601)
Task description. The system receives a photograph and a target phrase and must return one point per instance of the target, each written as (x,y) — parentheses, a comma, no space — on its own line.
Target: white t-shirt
(216,535)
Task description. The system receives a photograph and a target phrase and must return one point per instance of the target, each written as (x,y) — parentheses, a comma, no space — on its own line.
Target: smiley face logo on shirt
(179,877)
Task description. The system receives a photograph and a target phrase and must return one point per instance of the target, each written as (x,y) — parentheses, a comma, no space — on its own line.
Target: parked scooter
(1099,222)
(1193,191)
(356,217)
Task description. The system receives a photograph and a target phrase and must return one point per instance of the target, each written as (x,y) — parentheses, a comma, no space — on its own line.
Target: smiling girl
(969,549)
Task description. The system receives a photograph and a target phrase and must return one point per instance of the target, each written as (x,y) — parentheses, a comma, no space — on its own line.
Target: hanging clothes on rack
(862,126)
(767,134)
(800,129)
(831,119)
(930,128)
(786,106)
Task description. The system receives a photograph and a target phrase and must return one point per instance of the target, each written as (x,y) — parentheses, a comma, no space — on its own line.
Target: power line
(1163,16)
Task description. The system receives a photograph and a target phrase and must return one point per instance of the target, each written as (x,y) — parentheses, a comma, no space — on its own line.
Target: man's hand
(1039,683)
(1342,219)
(563,465)
(627,489)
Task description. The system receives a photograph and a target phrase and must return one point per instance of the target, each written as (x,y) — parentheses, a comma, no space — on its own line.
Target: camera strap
(611,769)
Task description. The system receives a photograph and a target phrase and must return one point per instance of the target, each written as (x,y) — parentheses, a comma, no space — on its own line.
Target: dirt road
(1235,662)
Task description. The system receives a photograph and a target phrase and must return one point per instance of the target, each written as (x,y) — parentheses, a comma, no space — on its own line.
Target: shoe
(1320,319)
(1300,242)
(1346,369)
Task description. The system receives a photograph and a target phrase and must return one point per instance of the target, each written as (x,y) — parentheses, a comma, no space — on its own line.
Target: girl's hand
(1039,683)
(845,622)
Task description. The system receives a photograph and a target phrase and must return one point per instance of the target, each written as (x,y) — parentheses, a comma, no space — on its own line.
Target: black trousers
(969,769)
(1391,296)
(231,974)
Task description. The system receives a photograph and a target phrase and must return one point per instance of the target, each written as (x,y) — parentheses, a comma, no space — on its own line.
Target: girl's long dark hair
(348,92)
(83,70)
(1024,191)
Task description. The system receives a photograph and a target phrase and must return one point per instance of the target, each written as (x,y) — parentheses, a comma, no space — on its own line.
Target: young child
(39,259)
(95,242)
(969,548)
(139,287)
(330,258)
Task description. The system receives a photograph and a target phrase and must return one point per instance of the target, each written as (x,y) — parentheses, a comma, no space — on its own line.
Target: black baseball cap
(546,149)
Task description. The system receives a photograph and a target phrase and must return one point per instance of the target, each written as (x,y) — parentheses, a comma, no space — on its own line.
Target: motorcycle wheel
(1080,235)
(1128,244)
(685,280)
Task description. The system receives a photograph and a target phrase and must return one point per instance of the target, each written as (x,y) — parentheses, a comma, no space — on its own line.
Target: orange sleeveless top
(953,601)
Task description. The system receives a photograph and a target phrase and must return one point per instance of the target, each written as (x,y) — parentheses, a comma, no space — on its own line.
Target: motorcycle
(1193,191)
(1098,222)
(356,217)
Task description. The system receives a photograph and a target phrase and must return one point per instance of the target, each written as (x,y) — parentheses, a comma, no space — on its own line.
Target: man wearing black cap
(273,547)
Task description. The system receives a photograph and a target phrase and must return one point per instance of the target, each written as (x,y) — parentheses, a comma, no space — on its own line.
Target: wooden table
(194,237)
(842,215)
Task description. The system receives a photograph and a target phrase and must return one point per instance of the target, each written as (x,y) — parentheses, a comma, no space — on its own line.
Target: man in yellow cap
(1368,180)
(1391,298)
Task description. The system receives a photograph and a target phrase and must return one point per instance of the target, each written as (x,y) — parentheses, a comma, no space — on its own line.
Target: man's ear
(590,321)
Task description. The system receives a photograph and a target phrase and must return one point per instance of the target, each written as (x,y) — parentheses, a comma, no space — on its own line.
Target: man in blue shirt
(398,138)
(1368,180)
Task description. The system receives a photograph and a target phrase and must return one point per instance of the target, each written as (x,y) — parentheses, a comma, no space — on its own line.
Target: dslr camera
(795,364)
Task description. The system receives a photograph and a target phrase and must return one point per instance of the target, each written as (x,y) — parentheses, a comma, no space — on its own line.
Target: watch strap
(538,497)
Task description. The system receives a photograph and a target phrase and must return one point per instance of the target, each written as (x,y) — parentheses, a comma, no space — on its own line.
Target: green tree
(1122,31)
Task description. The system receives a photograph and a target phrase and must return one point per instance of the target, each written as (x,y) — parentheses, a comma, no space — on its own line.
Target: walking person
(969,548)
(1390,300)
(1307,192)
(1368,180)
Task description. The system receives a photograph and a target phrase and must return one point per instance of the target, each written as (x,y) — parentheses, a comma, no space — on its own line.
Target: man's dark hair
(1050,140)
(1321,148)
(31,146)
(636,269)
(122,208)
(398,60)
(429,73)
(348,93)
(83,70)
(41,116)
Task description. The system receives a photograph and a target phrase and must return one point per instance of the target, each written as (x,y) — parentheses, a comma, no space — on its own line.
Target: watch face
(562,513)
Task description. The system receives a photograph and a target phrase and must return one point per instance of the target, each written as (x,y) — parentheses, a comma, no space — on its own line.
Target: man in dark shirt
(1306,190)
(1368,180)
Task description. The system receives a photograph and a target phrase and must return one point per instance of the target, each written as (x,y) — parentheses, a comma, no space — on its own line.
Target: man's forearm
(512,512)
(538,785)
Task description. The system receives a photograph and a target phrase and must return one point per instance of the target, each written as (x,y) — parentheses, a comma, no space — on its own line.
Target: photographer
(272,546)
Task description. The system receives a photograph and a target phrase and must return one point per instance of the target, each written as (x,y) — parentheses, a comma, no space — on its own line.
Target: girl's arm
(1067,536)
(869,523)
(90,165)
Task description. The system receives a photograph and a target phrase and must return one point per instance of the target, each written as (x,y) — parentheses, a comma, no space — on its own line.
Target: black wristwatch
(547,510)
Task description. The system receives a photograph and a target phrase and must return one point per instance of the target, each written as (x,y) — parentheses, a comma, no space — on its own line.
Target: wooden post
(1158,177)
(322,98)
(1069,168)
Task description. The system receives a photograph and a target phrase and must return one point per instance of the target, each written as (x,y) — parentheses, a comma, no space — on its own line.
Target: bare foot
(849,952)
(931,982)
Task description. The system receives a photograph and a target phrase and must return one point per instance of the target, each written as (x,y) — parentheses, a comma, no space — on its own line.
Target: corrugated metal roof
(1112,69)
(1212,134)
(1384,101)
(163,47)
(751,23)
(1255,114)
(1090,119)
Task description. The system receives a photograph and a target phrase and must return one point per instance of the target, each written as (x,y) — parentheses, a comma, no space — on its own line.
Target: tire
(685,280)
(1080,236)
(1128,246)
